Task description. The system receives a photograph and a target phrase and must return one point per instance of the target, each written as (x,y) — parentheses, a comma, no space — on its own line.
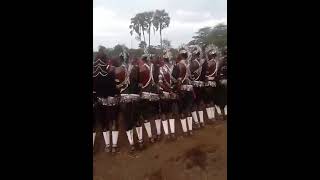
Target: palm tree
(161,20)
(142,22)
(138,24)
(135,26)
(148,19)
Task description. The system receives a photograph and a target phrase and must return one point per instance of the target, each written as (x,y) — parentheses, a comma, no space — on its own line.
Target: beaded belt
(150,96)
(109,101)
(223,82)
(197,83)
(186,87)
(210,83)
(126,98)
(167,96)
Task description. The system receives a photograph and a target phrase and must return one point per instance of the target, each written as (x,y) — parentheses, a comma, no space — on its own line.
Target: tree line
(158,20)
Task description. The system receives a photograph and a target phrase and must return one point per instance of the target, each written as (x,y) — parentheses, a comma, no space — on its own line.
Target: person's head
(196,51)
(212,51)
(121,58)
(196,54)
(178,58)
(157,60)
(212,54)
(101,50)
(134,60)
(115,61)
(124,57)
(183,54)
(144,58)
(101,55)
(165,57)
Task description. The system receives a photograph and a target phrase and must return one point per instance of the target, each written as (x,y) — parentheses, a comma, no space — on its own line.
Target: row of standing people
(151,89)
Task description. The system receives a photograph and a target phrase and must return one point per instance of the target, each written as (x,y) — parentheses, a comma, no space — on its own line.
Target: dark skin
(172,90)
(210,56)
(194,57)
(183,56)
(179,58)
(115,123)
(145,60)
(164,85)
(201,105)
(156,63)
(166,88)
(111,69)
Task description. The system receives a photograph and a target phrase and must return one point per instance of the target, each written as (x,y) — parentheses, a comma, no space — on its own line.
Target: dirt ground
(202,156)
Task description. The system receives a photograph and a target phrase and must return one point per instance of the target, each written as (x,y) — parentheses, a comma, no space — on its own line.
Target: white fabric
(115,135)
(201,116)
(184,125)
(195,117)
(130,136)
(139,132)
(165,127)
(94,136)
(147,125)
(218,110)
(172,129)
(209,113)
(189,123)
(213,113)
(106,136)
(158,126)
(225,110)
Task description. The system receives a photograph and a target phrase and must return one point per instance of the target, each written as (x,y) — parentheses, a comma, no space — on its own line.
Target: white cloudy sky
(111,19)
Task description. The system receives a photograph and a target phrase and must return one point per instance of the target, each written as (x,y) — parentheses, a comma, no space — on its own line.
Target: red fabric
(144,75)
(120,73)
(161,62)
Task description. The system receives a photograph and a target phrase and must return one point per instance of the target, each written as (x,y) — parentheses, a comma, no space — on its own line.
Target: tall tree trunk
(140,29)
(149,34)
(160,38)
(144,38)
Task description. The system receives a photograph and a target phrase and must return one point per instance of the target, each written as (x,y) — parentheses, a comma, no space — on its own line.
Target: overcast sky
(111,20)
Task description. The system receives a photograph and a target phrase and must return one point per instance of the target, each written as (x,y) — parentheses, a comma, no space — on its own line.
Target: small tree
(142,45)
(166,44)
